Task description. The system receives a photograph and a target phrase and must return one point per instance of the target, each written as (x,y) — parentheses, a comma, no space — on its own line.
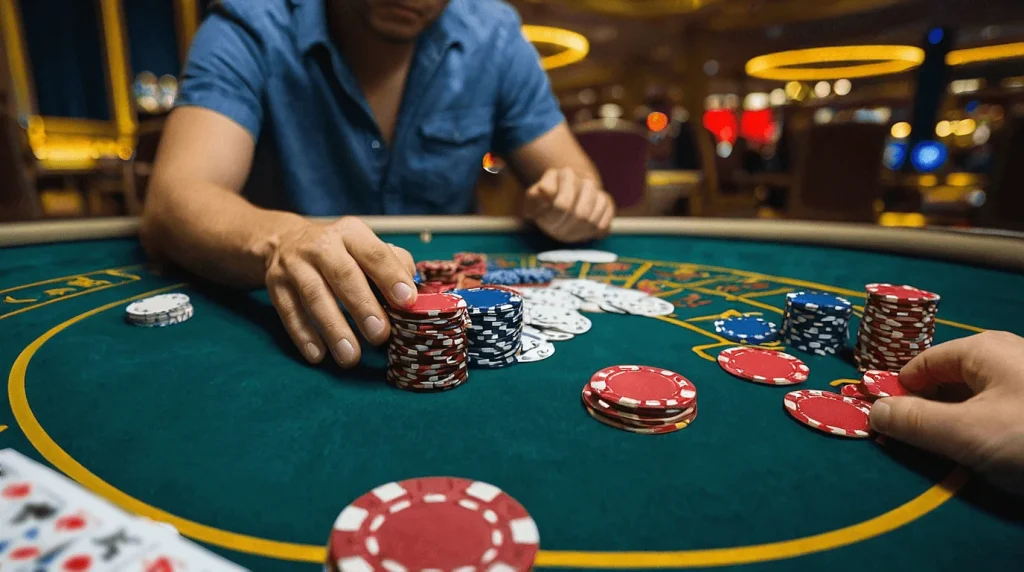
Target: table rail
(994,250)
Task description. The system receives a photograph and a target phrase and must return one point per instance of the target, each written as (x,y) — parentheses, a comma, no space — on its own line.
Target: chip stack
(519,276)
(471,264)
(898,324)
(496,325)
(438,275)
(641,399)
(427,349)
(816,322)
(160,311)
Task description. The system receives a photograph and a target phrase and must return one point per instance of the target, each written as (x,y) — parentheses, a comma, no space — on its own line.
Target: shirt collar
(311,25)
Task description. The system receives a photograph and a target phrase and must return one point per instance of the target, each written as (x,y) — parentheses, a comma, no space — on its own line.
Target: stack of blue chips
(816,322)
(495,333)
(514,276)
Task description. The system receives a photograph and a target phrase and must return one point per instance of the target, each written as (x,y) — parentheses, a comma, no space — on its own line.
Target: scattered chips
(160,311)
(898,324)
(433,523)
(830,412)
(763,366)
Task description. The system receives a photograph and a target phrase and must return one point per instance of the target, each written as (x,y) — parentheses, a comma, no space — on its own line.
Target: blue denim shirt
(475,85)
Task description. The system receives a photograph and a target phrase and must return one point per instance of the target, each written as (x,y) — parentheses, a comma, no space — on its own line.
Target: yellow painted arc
(909,511)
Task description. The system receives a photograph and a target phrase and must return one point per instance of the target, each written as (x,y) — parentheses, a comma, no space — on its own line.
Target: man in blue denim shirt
(347,108)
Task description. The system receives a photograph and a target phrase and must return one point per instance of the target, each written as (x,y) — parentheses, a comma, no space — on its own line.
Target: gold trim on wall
(186,13)
(14,42)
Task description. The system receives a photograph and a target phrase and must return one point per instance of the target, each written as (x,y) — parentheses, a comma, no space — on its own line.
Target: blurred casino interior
(899,112)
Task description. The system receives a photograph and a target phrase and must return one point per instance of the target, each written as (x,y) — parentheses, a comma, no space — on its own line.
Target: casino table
(218,427)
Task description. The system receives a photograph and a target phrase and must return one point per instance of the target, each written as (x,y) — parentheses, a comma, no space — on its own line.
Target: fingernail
(880,416)
(346,353)
(402,292)
(312,351)
(373,326)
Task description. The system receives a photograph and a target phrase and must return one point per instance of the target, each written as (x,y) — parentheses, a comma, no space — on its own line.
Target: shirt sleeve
(225,72)
(527,108)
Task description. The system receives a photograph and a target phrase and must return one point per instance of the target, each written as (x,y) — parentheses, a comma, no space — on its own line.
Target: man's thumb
(931,425)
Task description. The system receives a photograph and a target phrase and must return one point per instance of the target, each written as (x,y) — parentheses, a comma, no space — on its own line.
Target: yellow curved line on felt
(68,277)
(52,452)
(838,382)
(881,524)
(59,458)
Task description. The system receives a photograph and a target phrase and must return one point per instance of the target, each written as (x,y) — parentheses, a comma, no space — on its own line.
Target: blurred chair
(18,197)
(723,193)
(1004,205)
(838,173)
(619,150)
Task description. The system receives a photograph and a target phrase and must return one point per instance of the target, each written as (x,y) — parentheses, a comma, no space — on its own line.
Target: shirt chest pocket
(452,145)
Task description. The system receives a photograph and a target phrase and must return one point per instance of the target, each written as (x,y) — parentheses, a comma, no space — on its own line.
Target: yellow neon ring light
(576,45)
(985,54)
(871,61)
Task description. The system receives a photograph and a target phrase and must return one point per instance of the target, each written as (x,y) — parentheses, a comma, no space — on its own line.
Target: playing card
(42,512)
(175,554)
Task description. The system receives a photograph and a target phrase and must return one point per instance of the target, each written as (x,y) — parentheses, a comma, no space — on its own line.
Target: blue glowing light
(972,106)
(895,155)
(935,36)
(928,156)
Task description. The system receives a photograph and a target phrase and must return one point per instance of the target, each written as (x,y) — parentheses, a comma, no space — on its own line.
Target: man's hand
(568,207)
(984,432)
(311,267)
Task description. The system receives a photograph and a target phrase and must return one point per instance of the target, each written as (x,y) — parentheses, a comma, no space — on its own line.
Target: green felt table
(218,427)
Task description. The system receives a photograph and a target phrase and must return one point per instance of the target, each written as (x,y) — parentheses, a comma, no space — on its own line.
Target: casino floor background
(216,426)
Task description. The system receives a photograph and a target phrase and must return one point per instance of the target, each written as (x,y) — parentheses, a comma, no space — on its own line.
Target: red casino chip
(433,306)
(641,386)
(434,523)
(650,417)
(854,390)
(830,412)
(883,384)
(901,294)
(763,366)
(642,430)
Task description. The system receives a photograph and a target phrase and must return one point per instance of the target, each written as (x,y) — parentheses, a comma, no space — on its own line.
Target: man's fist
(568,207)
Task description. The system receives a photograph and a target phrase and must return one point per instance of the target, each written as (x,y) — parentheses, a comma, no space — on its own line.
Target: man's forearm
(213,232)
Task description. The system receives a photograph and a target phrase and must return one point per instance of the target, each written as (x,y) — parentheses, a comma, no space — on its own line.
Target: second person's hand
(984,432)
(312,266)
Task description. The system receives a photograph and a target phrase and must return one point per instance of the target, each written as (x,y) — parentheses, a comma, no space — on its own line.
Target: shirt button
(375,144)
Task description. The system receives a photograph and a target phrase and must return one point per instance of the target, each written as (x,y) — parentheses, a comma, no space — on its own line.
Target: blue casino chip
(747,329)
(516,276)
(496,326)
(819,301)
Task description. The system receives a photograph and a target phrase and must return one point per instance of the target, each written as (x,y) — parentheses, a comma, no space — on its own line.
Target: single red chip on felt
(830,412)
(883,384)
(763,366)
(435,523)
